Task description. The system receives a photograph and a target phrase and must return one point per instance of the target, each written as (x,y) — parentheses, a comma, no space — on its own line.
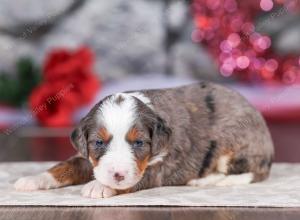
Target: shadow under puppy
(199,135)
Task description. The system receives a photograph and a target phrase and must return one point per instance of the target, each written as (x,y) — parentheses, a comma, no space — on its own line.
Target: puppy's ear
(160,133)
(79,141)
(160,136)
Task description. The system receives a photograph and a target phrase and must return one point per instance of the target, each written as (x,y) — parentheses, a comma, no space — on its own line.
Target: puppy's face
(121,137)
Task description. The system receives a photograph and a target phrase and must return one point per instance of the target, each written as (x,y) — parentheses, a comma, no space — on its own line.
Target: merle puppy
(199,135)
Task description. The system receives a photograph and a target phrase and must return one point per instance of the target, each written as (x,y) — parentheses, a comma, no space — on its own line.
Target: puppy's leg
(225,174)
(236,171)
(76,170)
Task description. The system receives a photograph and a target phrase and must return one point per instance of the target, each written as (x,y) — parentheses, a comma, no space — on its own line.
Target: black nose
(118,177)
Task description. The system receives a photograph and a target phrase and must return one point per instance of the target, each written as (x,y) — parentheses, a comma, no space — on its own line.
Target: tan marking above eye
(132,135)
(104,135)
(142,164)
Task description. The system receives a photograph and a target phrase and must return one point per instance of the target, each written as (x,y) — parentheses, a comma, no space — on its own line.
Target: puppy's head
(121,136)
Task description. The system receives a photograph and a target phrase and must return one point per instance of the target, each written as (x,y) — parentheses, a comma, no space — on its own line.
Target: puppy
(199,135)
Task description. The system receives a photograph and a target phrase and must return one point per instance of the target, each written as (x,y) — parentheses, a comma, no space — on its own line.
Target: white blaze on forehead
(118,117)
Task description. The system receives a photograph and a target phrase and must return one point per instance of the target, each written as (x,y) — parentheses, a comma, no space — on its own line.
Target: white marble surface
(282,189)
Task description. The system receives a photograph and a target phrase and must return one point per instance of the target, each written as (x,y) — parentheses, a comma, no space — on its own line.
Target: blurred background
(60,57)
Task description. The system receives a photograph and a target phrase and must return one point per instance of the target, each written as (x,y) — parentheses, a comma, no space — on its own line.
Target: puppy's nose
(119,176)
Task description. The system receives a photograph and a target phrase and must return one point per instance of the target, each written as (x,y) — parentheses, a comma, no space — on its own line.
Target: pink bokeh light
(266,5)
(242,62)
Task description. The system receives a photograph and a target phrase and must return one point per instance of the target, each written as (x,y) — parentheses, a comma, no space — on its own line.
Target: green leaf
(15,91)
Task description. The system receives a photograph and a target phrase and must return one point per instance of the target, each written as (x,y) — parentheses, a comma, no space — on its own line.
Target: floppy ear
(79,141)
(160,133)
(160,136)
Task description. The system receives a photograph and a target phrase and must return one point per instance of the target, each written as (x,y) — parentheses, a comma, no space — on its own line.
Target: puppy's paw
(32,183)
(210,180)
(235,180)
(95,190)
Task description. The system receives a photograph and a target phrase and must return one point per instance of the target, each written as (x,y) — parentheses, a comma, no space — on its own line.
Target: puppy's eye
(100,143)
(138,143)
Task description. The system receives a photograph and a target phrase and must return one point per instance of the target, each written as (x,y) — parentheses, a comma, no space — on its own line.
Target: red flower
(53,103)
(69,84)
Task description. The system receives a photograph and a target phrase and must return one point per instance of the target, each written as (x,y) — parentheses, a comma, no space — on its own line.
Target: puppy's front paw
(32,183)
(95,190)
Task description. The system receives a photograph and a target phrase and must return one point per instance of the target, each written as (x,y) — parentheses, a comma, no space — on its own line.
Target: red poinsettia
(62,63)
(69,82)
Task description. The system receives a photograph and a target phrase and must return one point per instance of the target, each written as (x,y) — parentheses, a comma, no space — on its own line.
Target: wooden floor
(145,213)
